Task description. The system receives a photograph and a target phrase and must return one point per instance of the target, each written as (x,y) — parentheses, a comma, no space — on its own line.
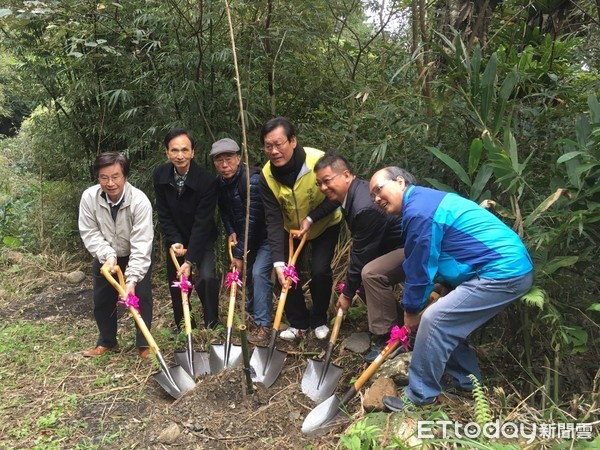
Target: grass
(44,382)
(52,398)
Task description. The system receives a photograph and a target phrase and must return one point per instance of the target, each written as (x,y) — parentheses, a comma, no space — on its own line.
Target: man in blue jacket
(454,241)
(233,194)
(373,235)
(186,197)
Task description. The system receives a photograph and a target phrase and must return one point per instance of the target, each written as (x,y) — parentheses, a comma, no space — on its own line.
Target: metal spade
(227,356)
(174,380)
(194,363)
(267,362)
(321,377)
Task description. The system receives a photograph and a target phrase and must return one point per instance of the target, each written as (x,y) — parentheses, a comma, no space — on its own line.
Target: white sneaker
(291,333)
(322,332)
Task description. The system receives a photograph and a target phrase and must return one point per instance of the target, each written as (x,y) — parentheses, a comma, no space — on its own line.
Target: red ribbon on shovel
(131,300)
(399,334)
(233,277)
(290,271)
(184,284)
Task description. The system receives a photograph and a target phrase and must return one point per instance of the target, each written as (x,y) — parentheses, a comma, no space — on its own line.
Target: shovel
(227,356)
(174,380)
(266,362)
(321,377)
(329,409)
(194,363)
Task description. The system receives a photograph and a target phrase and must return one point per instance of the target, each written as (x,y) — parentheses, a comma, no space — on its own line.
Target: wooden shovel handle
(230,247)
(174,258)
(293,256)
(185,302)
(120,287)
(369,371)
(336,326)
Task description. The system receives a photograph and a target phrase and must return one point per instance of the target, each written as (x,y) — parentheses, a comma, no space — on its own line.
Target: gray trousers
(378,278)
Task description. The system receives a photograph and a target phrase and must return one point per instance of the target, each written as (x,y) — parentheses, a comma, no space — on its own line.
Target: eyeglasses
(114,178)
(275,146)
(326,181)
(378,187)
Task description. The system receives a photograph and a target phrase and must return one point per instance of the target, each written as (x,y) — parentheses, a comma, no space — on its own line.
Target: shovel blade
(265,371)
(321,415)
(312,375)
(181,383)
(217,358)
(200,364)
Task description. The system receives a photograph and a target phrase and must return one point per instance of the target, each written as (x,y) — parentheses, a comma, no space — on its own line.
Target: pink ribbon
(132,300)
(290,272)
(233,277)
(340,288)
(184,284)
(399,334)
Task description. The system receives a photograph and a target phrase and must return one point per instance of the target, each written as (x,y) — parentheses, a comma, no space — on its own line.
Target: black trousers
(206,284)
(322,250)
(105,305)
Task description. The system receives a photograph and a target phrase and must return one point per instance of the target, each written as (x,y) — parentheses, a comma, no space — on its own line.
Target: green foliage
(361,436)
(483,413)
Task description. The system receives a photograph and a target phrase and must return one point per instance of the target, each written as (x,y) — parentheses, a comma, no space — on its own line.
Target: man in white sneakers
(292,200)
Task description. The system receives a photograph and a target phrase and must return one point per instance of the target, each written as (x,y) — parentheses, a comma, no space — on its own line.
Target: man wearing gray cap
(233,193)
(186,197)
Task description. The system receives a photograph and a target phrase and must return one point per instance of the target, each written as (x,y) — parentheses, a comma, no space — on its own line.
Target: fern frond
(483,413)
(535,297)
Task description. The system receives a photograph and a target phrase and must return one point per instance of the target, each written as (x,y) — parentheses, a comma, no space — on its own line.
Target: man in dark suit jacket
(373,235)
(186,197)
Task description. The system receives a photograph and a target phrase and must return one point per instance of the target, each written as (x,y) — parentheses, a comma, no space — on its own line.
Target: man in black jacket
(186,197)
(233,195)
(373,234)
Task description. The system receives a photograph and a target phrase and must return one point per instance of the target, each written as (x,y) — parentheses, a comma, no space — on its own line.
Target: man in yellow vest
(292,200)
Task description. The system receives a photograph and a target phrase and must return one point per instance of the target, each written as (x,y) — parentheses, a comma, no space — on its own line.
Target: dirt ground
(132,411)
(217,414)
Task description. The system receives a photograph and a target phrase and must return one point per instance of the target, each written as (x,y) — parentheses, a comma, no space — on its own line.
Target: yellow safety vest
(297,202)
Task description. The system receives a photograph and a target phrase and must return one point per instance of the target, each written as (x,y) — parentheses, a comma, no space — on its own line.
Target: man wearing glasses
(373,235)
(186,197)
(451,240)
(292,200)
(233,197)
(115,224)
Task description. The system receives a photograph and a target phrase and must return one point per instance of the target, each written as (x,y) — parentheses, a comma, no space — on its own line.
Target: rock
(396,369)
(15,257)
(373,399)
(170,434)
(75,277)
(357,342)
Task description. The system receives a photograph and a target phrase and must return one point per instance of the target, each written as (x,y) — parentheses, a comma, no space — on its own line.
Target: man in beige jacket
(115,224)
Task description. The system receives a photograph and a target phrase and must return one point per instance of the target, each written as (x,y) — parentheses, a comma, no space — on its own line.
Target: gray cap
(224,146)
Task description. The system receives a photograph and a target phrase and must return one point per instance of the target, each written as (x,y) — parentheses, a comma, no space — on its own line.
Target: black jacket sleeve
(225,211)
(367,235)
(165,218)
(273,219)
(257,217)
(325,207)
(203,229)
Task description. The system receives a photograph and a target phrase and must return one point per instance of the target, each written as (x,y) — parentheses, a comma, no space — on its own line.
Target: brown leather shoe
(99,351)
(144,352)
(260,335)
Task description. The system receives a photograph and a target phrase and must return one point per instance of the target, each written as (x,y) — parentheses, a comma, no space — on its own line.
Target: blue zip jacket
(450,239)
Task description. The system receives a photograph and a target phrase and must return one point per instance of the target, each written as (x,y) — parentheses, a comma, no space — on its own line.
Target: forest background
(497,101)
